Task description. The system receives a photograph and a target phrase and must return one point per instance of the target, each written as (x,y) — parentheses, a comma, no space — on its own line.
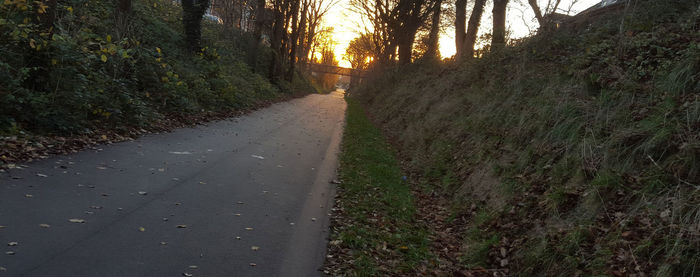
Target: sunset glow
(347,25)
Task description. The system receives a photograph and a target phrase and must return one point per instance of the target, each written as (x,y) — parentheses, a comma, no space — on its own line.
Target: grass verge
(374,230)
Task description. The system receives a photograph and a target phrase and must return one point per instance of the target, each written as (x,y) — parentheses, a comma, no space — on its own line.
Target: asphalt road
(248,196)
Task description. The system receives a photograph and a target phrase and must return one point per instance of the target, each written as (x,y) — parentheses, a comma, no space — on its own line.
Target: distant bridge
(330,69)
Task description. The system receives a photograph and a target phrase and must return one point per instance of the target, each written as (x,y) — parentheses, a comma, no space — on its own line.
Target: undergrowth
(583,145)
(88,72)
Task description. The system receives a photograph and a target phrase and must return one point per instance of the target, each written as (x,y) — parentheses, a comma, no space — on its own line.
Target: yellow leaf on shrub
(54,62)
(109,38)
(32,43)
(69,9)
(103,58)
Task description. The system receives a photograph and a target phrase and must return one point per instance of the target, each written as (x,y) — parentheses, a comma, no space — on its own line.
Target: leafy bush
(84,73)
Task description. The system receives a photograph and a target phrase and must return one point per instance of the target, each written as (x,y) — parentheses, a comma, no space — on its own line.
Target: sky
(347,25)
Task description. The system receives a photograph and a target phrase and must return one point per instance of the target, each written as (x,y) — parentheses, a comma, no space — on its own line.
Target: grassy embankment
(88,75)
(572,153)
(374,216)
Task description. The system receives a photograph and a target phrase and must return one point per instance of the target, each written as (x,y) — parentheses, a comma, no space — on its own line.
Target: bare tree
(293,40)
(433,42)
(460,25)
(498,37)
(473,29)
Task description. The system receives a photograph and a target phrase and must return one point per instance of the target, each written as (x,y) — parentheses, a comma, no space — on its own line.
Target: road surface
(242,197)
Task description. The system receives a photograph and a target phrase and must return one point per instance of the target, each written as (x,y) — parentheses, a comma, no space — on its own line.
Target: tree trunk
(433,43)
(193,10)
(460,25)
(302,33)
(473,29)
(293,40)
(498,39)
(257,34)
(536,9)
(276,40)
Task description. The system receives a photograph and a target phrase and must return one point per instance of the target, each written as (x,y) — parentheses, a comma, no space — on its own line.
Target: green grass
(378,206)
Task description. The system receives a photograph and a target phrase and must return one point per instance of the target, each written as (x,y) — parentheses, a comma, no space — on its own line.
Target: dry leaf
(187,274)
(43,225)
(253,264)
(249,229)
(238,238)
(142,229)
(163,243)
(28,195)
(142,193)
(12,243)
(193,267)
(10,252)
(42,175)
(77,220)
(254,248)
(181,226)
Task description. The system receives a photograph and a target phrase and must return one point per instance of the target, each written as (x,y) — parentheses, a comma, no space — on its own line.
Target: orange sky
(346,25)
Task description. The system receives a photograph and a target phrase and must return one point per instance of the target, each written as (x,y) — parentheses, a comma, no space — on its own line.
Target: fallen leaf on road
(240,202)
(161,169)
(142,193)
(101,167)
(142,229)
(3,269)
(258,157)
(187,274)
(28,195)
(253,264)
(10,252)
(163,243)
(202,183)
(238,238)
(43,225)
(181,226)
(42,175)
(12,243)
(180,153)
(249,229)
(193,267)
(335,181)
(313,219)
(105,194)
(77,220)
(254,248)
(178,204)
(96,207)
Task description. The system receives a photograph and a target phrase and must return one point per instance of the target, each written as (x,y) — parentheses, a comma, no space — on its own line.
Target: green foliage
(83,73)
